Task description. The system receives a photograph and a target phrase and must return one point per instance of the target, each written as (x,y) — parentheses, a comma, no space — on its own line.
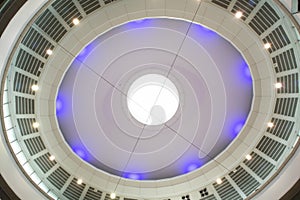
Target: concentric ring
(207,84)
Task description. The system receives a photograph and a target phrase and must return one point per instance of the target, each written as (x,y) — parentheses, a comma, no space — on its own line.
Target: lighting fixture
(75,21)
(79,181)
(278,85)
(35,87)
(267,45)
(153,99)
(35,124)
(248,157)
(49,52)
(219,181)
(270,124)
(238,14)
(113,195)
(52,158)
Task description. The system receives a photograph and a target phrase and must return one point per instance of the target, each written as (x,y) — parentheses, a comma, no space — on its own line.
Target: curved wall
(23,187)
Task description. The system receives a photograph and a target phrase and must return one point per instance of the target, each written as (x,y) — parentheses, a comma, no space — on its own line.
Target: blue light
(192,167)
(133,176)
(140,23)
(85,52)
(81,152)
(238,128)
(245,71)
(59,105)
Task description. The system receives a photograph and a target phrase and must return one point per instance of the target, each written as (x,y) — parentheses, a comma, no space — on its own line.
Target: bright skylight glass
(152,99)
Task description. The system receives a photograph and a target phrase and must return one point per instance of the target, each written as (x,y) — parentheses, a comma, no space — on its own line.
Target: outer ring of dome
(204,21)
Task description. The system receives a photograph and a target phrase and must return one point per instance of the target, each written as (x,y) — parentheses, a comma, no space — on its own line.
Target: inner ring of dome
(215,99)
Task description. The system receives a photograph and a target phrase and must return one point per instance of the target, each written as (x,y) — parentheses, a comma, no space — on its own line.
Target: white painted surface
(22,187)
(8,168)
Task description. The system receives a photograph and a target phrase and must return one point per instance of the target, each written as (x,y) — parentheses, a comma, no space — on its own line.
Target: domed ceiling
(213,85)
(153,99)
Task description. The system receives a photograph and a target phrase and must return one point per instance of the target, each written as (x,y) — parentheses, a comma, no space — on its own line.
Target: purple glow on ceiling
(133,176)
(238,127)
(59,105)
(189,162)
(192,167)
(81,152)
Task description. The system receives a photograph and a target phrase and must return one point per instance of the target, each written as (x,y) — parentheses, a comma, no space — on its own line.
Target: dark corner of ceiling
(6,192)
(293,193)
(8,8)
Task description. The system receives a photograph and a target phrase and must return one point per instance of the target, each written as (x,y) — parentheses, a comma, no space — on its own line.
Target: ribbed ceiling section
(50,29)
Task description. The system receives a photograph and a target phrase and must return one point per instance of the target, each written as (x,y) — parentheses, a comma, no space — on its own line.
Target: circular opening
(152,99)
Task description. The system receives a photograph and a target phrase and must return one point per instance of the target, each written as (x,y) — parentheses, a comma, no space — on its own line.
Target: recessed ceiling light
(278,85)
(248,157)
(52,158)
(75,21)
(270,124)
(267,45)
(79,181)
(238,14)
(219,181)
(35,124)
(35,87)
(49,52)
(113,195)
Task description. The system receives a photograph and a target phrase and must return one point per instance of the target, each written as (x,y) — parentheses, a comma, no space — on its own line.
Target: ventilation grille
(108,1)
(285,61)
(67,10)
(226,191)
(50,25)
(244,180)
(74,190)
(290,84)
(34,145)
(44,163)
(29,63)
(59,177)
(36,42)
(271,147)
(278,39)
(263,19)
(286,106)
(259,166)
(24,105)
(282,128)
(92,194)
(89,6)
(244,6)
(222,3)
(23,84)
(25,126)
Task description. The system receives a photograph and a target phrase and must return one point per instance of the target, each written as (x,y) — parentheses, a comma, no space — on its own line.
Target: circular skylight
(152,99)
